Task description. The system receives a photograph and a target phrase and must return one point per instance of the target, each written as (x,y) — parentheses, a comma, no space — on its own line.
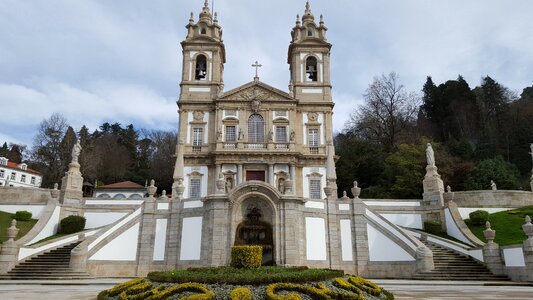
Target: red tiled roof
(15,166)
(122,185)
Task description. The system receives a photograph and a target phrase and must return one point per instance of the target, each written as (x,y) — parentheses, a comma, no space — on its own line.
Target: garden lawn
(507,224)
(5,223)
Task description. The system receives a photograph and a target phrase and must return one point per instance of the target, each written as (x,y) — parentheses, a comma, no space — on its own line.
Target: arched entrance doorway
(256,227)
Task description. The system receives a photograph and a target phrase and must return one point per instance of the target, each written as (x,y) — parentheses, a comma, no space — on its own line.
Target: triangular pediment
(256,90)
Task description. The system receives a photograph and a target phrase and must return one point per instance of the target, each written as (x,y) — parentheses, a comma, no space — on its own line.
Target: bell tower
(203,58)
(308,58)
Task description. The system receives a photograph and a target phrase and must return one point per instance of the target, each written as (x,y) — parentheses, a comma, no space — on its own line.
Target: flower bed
(346,287)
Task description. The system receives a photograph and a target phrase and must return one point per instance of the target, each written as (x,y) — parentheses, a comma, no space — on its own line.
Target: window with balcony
(197,139)
(281,134)
(231,134)
(312,136)
(256,129)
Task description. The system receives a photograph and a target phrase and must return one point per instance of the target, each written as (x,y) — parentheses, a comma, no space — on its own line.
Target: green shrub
(72,224)
(23,215)
(433,227)
(247,257)
(479,217)
(240,293)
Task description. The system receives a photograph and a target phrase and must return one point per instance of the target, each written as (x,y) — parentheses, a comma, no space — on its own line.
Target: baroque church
(258,160)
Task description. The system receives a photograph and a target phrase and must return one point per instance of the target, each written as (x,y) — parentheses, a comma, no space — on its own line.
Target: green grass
(55,236)
(229,275)
(507,224)
(442,235)
(5,223)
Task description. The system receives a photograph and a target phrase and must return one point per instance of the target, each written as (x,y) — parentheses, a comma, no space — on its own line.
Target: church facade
(257,160)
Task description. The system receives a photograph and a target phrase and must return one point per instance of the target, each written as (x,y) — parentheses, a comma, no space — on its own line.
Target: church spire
(205,15)
(308,16)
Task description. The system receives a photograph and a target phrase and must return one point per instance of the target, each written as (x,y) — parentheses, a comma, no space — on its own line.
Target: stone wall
(24,196)
(491,198)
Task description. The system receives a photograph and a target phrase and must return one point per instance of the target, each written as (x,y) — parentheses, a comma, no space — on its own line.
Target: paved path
(402,289)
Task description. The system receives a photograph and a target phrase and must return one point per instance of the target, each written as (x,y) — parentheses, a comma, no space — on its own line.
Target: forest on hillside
(479,134)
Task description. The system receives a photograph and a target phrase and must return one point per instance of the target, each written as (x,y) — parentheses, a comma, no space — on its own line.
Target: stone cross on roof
(256,66)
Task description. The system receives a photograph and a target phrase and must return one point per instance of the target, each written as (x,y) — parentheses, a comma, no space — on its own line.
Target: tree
(68,141)
(504,174)
(387,113)
(46,150)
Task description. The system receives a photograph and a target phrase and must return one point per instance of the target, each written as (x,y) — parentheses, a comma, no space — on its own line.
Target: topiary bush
(72,224)
(433,227)
(247,257)
(479,217)
(23,215)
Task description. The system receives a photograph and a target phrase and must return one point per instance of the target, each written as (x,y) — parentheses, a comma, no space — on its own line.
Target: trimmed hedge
(247,257)
(240,293)
(23,215)
(433,227)
(72,224)
(479,217)
(229,275)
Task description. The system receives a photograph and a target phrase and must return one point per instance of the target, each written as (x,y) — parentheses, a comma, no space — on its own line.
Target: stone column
(239,174)
(491,252)
(78,255)
(293,177)
(528,248)
(271,174)
(9,250)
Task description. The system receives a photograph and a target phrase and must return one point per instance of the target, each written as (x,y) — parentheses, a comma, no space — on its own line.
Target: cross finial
(256,66)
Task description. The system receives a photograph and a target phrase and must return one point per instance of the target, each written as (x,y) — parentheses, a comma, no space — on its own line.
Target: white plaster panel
(303,55)
(305,180)
(320,119)
(321,73)
(206,120)
(201,169)
(392,229)
(312,90)
(210,71)
(97,219)
(514,257)
(192,204)
(315,238)
(302,78)
(36,210)
(477,254)
(163,206)
(392,203)
(314,204)
(452,229)
(160,239)
(123,247)
(305,121)
(465,211)
(50,228)
(25,252)
(406,220)
(192,54)
(115,227)
(381,248)
(114,202)
(344,206)
(346,240)
(191,238)
(199,89)
(190,71)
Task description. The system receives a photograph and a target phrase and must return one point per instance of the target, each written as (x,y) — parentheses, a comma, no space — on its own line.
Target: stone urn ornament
(489,234)
(12,231)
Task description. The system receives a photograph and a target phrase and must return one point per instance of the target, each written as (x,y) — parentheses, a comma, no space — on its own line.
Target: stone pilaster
(528,248)
(9,250)
(78,256)
(491,252)
(147,233)
(71,194)
(433,196)
(424,259)
(360,235)
(217,207)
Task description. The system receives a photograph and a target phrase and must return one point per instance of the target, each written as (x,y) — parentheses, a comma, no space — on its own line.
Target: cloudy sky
(98,61)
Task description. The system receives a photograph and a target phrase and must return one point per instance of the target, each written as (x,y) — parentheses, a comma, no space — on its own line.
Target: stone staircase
(53,264)
(450,265)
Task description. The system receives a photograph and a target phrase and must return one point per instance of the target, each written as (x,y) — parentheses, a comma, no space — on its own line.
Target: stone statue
(241,135)
(219,135)
(270,136)
(292,135)
(430,155)
(493,185)
(531,146)
(76,150)
(449,189)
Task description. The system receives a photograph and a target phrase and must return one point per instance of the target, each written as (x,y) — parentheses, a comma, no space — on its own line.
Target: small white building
(120,190)
(13,174)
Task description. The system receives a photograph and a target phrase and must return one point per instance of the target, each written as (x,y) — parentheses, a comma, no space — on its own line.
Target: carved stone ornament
(198,115)
(313,116)
(256,105)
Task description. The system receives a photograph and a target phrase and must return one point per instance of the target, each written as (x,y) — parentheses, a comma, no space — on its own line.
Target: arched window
(203,30)
(119,196)
(201,67)
(309,32)
(256,129)
(310,68)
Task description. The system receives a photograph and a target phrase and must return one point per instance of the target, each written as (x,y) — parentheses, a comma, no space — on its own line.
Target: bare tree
(388,111)
(46,151)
